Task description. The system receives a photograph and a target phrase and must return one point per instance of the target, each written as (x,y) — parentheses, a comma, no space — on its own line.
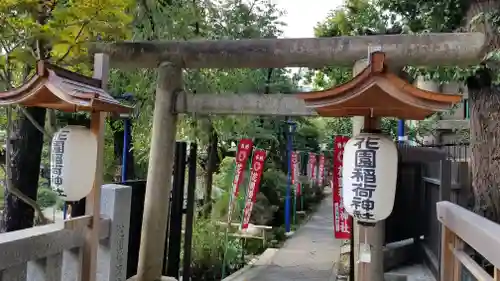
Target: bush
(2,199)
(60,204)
(312,194)
(208,248)
(46,197)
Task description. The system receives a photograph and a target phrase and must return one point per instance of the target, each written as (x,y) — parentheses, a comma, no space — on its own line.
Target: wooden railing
(53,252)
(462,228)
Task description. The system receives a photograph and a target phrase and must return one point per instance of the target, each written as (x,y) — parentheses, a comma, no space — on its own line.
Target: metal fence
(454,151)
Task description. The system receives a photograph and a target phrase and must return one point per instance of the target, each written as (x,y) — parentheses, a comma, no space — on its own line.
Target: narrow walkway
(309,255)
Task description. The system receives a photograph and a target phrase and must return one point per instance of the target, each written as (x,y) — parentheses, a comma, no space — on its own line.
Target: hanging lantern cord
(7,169)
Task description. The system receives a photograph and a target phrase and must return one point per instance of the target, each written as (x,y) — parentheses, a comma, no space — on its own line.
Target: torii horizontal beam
(430,49)
(242,104)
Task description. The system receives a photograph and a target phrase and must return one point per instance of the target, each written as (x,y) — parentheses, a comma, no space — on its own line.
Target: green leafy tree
(44,30)
(183,20)
(484,104)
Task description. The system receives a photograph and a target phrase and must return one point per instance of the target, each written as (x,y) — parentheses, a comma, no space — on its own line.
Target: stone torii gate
(172,56)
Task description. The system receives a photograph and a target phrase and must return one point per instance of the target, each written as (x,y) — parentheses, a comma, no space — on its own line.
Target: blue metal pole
(126,147)
(401,131)
(289,179)
(65,210)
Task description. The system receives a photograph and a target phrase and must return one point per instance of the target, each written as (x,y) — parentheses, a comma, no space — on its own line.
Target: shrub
(60,204)
(46,197)
(2,199)
(208,248)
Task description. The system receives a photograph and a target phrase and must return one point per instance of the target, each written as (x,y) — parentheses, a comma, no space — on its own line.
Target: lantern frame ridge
(377,92)
(58,88)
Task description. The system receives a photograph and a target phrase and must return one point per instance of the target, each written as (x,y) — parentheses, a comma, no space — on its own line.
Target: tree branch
(33,121)
(40,216)
(80,32)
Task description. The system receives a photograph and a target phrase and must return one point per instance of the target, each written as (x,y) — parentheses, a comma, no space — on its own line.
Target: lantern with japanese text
(369,175)
(73,162)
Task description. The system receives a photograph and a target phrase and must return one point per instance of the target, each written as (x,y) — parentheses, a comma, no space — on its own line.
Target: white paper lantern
(73,162)
(369,176)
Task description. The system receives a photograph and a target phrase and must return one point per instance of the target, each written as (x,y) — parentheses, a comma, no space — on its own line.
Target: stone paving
(309,255)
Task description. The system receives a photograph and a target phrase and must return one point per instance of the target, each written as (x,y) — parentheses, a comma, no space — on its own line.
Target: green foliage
(209,246)
(54,31)
(211,20)
(60,205)
(367,17)
(61,27)
(355,17)
(307,137)
(273,186)
(2,200)
(224,178)
(440,16)
(46,197)
(313,194)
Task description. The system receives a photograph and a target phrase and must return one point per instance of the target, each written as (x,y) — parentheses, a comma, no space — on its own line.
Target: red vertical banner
(314,173)
(341,221)
(259,157)
(295,172)
(321,170)
(245,147)
(312,167)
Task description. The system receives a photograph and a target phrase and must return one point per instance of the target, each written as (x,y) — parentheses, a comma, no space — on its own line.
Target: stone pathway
(309,255)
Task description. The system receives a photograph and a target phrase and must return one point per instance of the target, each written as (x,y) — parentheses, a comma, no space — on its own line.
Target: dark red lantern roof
(377,92)
(57,88)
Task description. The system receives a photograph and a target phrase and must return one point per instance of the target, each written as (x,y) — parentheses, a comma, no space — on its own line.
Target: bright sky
(303,15)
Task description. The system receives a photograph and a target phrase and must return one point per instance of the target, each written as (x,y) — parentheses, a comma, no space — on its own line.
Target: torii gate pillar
(159,179)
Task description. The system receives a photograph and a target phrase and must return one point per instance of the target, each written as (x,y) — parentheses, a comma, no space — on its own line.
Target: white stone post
(112,253)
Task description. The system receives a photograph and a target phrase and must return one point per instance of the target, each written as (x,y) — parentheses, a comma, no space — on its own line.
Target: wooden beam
(93,200)
(478,232)
(431,49)
(242,104)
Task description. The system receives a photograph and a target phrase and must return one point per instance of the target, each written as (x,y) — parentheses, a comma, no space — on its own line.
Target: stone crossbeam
(242,104)
(422,49)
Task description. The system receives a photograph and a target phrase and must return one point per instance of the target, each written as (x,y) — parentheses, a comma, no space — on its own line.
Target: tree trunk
(27,146)
(484,103)
(210,169)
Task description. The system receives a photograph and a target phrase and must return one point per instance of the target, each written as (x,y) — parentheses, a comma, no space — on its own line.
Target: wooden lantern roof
(57,88)
(377,92)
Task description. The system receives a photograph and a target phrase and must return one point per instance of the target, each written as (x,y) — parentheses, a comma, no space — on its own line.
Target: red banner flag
(342,223)
(312,167)
(259,157)
(245,147)
(321,172)
(309,166)
(295,172)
